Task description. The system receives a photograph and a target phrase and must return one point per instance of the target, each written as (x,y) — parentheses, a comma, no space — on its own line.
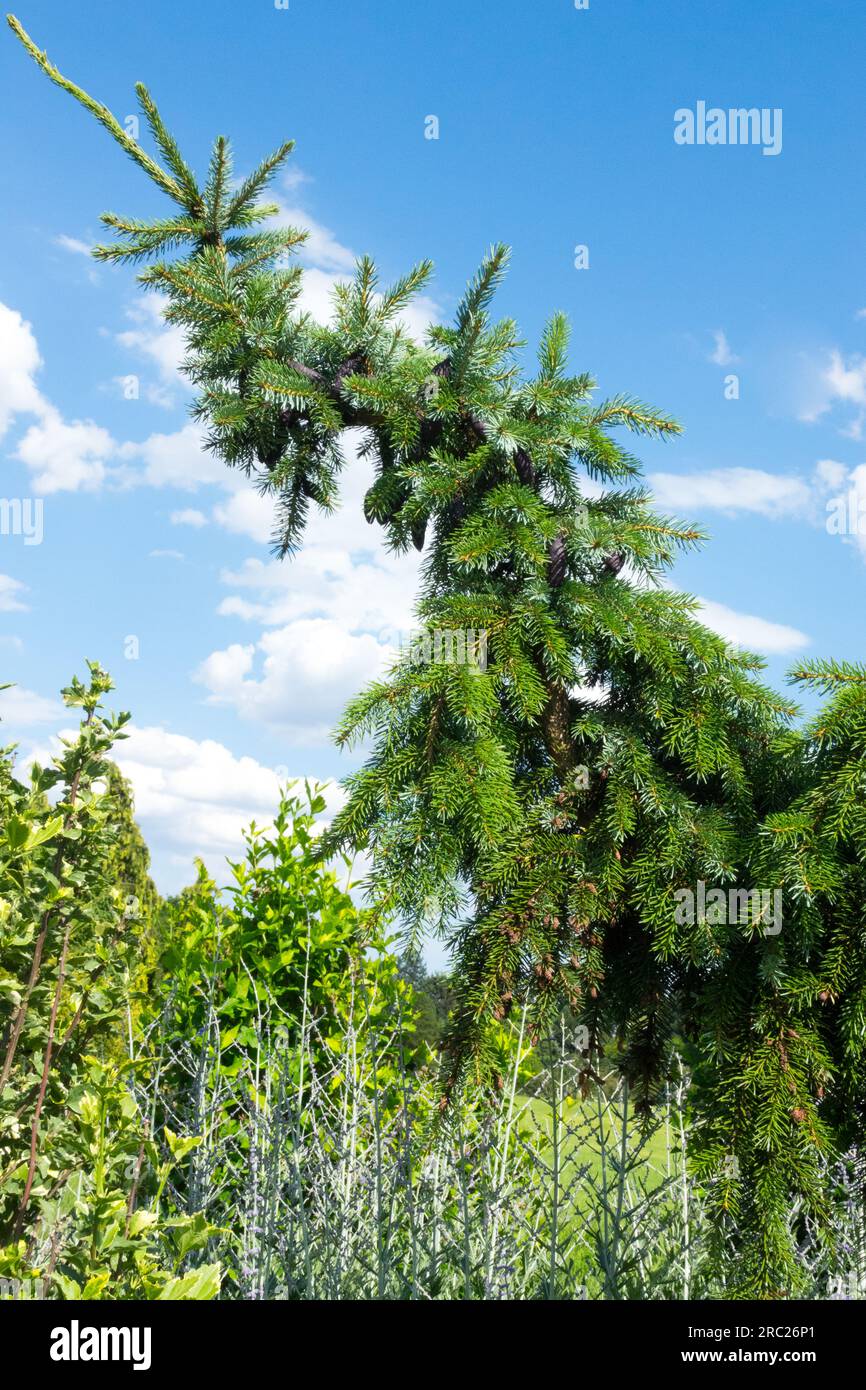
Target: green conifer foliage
(544,801)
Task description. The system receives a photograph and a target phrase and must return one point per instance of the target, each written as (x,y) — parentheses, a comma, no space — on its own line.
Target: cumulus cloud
(19,362)
(247,513)
(297,678)
(845,503)
(321,248)
(10,595)
(80,455)
(830,474)
(21,708)
(733,490)
(328,623)
(364,594)
(721,353)
(194,797)
(832,381)
(753,633)
(177,459)
(160,343)
(62,455)
(65,457)
(845,378)
(188,516)
(344,571)
(327,262)
(833,498)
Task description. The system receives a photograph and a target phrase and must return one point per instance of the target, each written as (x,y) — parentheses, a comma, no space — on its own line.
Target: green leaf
(200,1284)
(180,1147)
(40,834)
(142,1220)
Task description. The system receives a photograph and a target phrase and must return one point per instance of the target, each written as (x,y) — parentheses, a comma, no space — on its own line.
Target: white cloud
(193,797)
(332,617)
(247,513)
(830,474)
(77,455)
(176,460)
(195,794)
(344,571)
(64,457)
(846,380)
(369,594)
(224,672)
(21,708)
(835,380)
(753,633)
(327,262)
(308,671)
(10,591)
(61,455)
(160,342)
(188,516)
(72,244)
(733,490)
(834,498)
(19,362)
(721,353)
(317,292)
(845,506)
(321,248)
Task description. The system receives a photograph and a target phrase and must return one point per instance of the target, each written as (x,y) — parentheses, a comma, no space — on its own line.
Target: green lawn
(587,1141)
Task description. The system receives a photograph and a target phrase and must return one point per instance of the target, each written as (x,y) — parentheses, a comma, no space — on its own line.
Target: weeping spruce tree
(544,808)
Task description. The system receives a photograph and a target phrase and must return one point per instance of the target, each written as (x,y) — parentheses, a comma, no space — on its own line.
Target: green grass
(581,1132)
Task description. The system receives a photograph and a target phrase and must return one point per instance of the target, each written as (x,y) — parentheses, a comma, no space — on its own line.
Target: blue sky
(556,130)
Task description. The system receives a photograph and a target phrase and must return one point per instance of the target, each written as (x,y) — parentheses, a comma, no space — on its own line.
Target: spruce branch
(102,114)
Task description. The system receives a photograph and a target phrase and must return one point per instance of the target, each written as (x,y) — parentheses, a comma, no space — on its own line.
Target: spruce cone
(525,468)
(614,563)
(443,368)
(556,558)
(419,531)
(477,426)
(428,437)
